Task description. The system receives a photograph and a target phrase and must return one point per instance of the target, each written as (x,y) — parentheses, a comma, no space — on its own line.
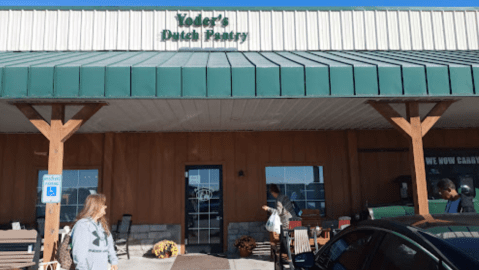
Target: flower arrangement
(165,249)
(245,242)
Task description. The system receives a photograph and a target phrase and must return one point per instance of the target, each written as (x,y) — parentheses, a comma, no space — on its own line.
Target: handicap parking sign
(51,191)
(52,188)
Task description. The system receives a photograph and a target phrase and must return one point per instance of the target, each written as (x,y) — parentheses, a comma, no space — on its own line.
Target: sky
(259,3)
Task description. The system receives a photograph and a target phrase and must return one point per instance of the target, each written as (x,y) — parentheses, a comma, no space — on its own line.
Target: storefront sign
(52,188)
(452,160)
(459,165)
(209,34)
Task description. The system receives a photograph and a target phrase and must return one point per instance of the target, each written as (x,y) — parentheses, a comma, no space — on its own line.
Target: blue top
(453,206)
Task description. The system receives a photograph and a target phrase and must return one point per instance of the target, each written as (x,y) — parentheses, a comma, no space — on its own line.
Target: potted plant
(165,249)
(245,245)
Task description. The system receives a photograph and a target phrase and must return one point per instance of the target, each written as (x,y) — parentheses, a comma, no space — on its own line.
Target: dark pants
(283,243)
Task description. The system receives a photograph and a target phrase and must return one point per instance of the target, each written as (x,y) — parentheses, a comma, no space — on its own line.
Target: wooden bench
(19,249)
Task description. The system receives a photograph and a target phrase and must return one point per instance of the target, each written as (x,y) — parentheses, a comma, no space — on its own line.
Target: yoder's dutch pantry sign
(209,34)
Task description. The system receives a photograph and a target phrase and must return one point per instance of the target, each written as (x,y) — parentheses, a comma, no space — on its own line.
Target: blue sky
(389,3)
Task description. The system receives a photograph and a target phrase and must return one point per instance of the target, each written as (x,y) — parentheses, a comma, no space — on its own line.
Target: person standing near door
(93,246)
(285,210)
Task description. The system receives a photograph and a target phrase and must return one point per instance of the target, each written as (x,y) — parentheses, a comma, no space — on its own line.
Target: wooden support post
(55,166)
(414,130)
(418,170)
(57,133)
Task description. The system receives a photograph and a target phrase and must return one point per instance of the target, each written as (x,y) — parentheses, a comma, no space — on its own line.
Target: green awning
(97,75)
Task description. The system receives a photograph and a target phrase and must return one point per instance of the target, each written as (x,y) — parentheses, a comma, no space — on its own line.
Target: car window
(349,252)
(396,253)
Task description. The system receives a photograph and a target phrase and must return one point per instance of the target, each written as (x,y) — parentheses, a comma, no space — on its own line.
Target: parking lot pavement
(235,262)
(145,263)
(251,263)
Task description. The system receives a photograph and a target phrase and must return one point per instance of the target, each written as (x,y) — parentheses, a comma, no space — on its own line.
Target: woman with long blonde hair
(93,246)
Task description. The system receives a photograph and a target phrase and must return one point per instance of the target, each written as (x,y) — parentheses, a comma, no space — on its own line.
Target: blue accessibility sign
(51,191)
(52,188)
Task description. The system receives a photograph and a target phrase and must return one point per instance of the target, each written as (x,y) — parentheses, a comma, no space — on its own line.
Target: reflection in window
(399,254)
(304,185)
(349,252)
(76,186)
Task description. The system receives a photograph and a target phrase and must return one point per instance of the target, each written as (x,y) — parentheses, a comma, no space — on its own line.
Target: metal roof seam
(471,67)
(301,54)
(408,55)
(386,55)
(304,71)
(231,74)
(206,67)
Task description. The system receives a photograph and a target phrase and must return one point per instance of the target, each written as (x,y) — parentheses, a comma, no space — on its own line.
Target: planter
(245,252)
(165,249)
(245,245)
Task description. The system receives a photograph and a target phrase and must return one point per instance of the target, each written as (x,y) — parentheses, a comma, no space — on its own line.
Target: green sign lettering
(198,21)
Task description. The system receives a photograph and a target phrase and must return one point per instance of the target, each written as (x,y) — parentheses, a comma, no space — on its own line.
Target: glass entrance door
(204,209)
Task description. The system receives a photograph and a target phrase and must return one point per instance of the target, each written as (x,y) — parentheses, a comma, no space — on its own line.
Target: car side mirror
(304,260)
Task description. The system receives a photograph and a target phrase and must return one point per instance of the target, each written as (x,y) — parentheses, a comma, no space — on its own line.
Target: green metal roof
(238,74)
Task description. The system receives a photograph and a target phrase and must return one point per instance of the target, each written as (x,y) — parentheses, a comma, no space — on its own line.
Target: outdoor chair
(122,234)
(300,240)
(19,249)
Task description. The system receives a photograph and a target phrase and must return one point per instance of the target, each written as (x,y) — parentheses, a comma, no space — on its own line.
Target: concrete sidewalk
(236,263)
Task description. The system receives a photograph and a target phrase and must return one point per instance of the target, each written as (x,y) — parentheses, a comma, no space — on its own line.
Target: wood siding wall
(143,173)
(19,167)
(383,156)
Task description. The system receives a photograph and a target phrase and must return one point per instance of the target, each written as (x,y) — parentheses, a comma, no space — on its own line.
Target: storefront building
(204,107)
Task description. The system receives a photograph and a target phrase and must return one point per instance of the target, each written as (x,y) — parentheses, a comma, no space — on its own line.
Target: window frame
(68,168)
(301,164)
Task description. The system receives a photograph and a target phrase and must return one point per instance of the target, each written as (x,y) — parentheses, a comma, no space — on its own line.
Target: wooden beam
(55,166)
(354,171)
(392,116)
(35,118)
(434,115)
(418,171)
(79,119)
(57,133)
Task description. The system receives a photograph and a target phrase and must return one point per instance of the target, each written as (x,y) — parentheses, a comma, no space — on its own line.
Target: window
(76,186)
(303,185)
(396,253)
(349,252)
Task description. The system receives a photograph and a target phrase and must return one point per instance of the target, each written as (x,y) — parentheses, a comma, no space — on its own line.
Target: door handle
(219,218)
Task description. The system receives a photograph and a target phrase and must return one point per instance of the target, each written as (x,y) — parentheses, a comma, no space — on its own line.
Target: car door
(397,252)
(349,252)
